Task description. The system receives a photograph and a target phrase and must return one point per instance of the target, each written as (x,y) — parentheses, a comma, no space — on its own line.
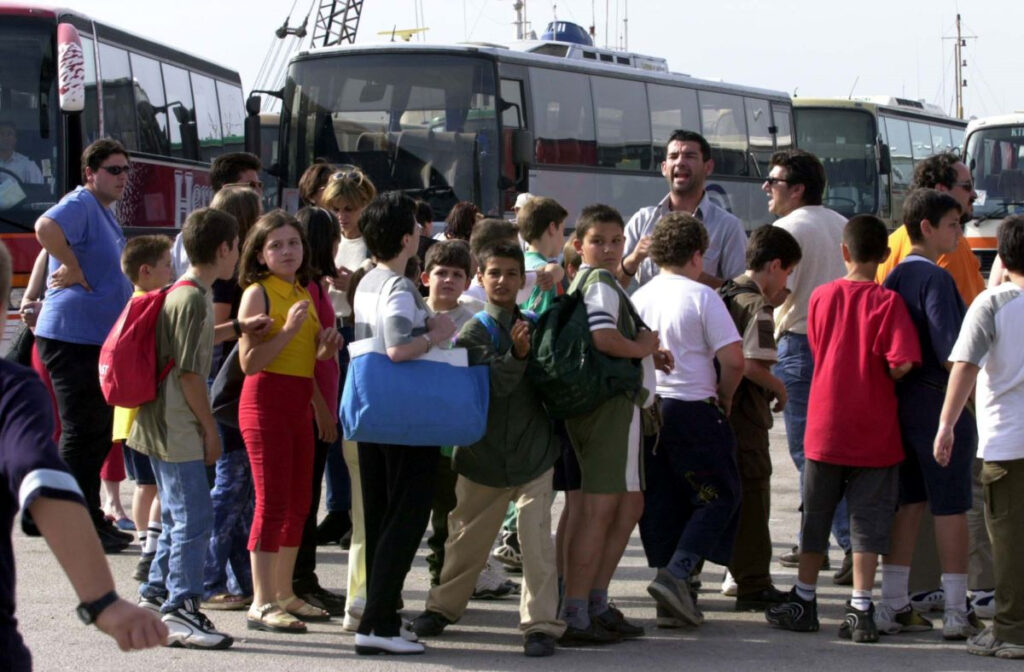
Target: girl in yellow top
(275,412)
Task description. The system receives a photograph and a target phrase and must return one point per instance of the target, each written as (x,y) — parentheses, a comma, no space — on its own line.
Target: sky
(810,48)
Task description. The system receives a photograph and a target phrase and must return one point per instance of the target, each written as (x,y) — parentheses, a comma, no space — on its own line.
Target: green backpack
(571,376)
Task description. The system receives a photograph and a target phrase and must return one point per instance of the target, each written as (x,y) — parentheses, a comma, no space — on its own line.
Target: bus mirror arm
(884,159)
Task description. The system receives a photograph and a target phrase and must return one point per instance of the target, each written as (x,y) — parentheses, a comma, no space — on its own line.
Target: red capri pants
(276,419)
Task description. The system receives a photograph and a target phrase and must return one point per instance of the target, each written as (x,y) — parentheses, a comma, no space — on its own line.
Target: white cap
(521,200)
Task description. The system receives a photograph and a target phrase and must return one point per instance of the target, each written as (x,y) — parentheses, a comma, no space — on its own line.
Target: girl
(275,413)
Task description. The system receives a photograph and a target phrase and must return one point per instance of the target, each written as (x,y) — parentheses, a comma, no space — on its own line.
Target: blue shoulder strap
(491,325)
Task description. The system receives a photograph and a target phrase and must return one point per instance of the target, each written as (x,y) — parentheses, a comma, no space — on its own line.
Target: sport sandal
(303,610)
(272,618)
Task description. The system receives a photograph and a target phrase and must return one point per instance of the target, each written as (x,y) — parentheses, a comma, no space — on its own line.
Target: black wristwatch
(88,612)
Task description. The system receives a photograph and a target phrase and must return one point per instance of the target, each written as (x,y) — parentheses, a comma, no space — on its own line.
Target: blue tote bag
(436,399)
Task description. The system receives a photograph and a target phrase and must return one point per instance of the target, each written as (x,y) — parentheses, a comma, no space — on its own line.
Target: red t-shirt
(857,332)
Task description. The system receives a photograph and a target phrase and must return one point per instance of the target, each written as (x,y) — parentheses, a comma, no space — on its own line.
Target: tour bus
(483,122)
(994,152)
(869,147)
(174,112)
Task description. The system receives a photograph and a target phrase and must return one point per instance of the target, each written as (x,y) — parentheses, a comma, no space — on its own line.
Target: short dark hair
(770,242)
(460,221)
(534,218)
(682,135)
(313,180)
(867,239)
(424,213)
(227,168)
(502,251)
(804,168)
(142,250)
(451,253)
(675,239)
(935,170)
(922,204)
(489,231)
(1010,243)
(204,231)
(387,219)
(596,214)
(250,268)
(323,233)
(99,151)
(413,270)
(241,202)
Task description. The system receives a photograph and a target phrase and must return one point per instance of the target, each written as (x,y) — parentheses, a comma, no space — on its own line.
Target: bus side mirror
(522,147)
(252,125)
(70,69)
(884,159)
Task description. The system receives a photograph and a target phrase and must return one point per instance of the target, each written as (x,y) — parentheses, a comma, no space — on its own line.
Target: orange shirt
(961,263)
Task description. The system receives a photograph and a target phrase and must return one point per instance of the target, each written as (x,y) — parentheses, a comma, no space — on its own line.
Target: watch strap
(90,611)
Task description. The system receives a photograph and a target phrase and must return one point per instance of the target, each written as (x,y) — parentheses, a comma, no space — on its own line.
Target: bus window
(898,132)
(563,118)
(724,126)
(207,116)
(957,136)
(921,140)
(232,116)
(942,139)
(118,96)
(184,143)
(783,127)
(761,144)
(512,92)
(149,106)
(672,109)
(91,113)
(623,124)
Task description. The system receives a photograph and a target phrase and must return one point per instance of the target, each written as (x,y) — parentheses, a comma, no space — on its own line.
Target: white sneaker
(353,614)
(729,587)
(190,628)
(491,584)
(984,603)
(957,625)
(929,600)
(371,645)
(891,621)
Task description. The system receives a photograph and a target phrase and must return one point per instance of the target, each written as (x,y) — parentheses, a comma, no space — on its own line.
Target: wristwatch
(88,612)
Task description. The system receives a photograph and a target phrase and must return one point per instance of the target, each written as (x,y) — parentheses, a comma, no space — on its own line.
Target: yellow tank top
(299,355)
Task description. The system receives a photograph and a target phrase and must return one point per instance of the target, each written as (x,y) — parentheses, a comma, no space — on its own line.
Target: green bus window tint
(118,96)
(623,124)
(844,141)
(232,116)
(921,140)
(178,92)
(563,118)
(150,111)
(672,109)
(207,115)
(724,125)
(759,121)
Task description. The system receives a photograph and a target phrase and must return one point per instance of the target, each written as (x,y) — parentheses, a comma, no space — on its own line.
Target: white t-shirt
(820,234)
(352,253)
(990,339)
(693,323)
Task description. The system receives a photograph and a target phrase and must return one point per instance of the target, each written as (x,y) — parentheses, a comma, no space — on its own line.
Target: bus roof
(1015,119)
(505,54)
(897,106)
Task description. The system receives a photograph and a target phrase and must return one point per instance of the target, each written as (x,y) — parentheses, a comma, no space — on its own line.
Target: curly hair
(676,237)
(936,170)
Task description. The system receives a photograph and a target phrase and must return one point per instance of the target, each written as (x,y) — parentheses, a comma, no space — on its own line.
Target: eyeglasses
(772,181)
(251,184)
(116,170)
(968,186)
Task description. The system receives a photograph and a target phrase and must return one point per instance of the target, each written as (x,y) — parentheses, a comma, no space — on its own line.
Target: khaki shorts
(607,443)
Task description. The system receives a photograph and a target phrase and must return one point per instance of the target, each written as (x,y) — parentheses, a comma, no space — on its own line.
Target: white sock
(152,536)
(861,600)
(805,591)
(955,586)
(895,586)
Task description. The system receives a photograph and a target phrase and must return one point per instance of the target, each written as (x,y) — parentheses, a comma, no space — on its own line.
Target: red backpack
(128,370)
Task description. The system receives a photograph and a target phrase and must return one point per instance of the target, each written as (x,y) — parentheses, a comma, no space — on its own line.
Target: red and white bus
(173,111)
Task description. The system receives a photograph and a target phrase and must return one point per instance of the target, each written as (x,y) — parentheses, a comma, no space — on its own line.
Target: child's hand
(257,325)
(943,447)
(297,315)
(441,329)
(326,422)
(520,339)
(340,281)
(545,282)
(211,448)
(648,341)
(328,341)
(664,361)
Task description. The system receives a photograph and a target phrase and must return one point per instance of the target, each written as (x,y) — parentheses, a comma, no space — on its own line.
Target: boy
(931,220)
(772,254)
(691,501)
(988,351)
(570,261)
(511,463)
(541,223)
(146,261)
(863,340)
(447,277)
(178,433)
(606,442)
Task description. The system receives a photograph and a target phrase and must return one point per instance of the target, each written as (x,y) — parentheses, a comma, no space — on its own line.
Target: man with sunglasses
(795,186)
(86,292)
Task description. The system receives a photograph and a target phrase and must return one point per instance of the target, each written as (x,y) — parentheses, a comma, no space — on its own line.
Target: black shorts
(567,469)
(138,466)
(872,495)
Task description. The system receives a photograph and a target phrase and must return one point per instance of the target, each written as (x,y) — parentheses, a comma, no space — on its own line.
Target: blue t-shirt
(937,311)
(29,468)
(74,314)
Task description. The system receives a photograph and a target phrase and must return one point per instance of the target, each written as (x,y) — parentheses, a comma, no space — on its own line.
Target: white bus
(994,151)
(484,122)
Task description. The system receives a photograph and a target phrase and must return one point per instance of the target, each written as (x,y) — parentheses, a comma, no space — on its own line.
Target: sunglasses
(251,184)
(116,170)
(349,173)
(772,181)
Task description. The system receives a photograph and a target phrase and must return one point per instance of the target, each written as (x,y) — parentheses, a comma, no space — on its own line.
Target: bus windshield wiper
(1001,211)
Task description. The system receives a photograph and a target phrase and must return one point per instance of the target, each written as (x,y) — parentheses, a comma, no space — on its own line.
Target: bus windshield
(423,123)
(28,121)
(845,141)
(996,159)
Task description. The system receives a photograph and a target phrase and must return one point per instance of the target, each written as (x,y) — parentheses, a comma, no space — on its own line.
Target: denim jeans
(186,512)
(227,568)
(795,368)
